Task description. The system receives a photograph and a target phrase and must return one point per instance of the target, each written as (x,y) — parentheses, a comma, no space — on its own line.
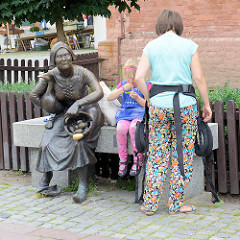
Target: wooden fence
(14,71)
(17,107)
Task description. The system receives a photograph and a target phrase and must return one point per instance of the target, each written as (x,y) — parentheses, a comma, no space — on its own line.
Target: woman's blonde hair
(129,68)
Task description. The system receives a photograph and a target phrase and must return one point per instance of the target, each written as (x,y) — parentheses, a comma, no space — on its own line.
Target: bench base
(29,133)
(65,178)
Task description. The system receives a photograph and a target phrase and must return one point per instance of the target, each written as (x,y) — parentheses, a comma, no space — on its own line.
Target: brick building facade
(213,24)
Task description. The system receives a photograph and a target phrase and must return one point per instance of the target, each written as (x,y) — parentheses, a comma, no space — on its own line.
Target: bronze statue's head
(60,46)
(169,20)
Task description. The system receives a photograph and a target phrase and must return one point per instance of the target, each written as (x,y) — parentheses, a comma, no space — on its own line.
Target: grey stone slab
(223,235)
(198,236)
(119,235)
(177,224)
(161,234)
(136,237)
(106,233)
(34,224)
(5,215)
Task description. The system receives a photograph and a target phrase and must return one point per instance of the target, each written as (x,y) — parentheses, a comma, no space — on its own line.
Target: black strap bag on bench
(203,145)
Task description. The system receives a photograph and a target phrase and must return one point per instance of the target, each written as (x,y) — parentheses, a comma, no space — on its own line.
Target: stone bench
(29,133)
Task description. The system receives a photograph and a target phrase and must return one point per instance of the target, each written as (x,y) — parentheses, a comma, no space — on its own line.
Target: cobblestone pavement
(107,214)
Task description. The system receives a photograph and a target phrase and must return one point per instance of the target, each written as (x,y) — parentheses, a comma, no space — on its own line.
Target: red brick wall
(213,24)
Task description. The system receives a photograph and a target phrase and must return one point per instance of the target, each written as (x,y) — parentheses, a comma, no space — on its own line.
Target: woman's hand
(206,113)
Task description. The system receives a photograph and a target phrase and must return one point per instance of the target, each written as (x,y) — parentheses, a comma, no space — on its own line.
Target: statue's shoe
(80,195)
(50,191)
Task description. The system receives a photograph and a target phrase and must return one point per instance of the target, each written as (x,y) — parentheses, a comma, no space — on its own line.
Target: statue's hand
(73,110)
(45,76)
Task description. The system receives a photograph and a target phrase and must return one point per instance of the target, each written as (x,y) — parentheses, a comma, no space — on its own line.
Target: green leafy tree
(56,11)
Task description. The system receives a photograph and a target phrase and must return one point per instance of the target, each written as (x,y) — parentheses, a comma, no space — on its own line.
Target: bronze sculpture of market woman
(71,136)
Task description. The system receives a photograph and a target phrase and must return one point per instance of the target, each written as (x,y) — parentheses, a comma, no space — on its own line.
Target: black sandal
(134,171)
(123,167)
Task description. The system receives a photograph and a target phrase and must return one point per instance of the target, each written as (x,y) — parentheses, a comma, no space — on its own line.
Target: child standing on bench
(127,116)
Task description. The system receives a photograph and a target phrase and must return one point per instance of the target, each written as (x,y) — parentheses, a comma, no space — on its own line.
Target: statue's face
(63,59)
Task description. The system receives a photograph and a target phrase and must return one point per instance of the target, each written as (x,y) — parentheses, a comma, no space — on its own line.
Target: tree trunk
(60,31)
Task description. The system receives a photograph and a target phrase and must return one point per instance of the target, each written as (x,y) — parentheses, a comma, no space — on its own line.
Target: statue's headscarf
(56,47)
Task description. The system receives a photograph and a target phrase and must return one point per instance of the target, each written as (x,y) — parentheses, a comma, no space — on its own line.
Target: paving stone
(47,218)
(5,215)
(177,224)
(228,230)
(34,224)
(48,225)
(194,227)
(119,235)
(198,236)
(93,229)
(223,235)
(203,222)
(232,238)
(216,238)
(137,236)
(173,238)
(16,217)
(106,233)
(133,237)
(206,232)
(226,220)
(212,228)
(161,235)
(36,216)
(27,212)
(234,227)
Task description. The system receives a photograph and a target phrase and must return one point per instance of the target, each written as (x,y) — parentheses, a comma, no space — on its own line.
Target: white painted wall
(100,30)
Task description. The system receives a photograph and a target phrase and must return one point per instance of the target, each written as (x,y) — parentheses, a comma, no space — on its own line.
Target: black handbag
(141,133)
(204,141)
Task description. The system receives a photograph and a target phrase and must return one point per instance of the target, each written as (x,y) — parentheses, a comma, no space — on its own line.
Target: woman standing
(173,61)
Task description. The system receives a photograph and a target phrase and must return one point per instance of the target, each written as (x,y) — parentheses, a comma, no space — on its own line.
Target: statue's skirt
(58,151)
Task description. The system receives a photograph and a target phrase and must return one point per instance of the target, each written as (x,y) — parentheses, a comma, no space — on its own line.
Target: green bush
(127,183)
(34,29)
(17,87)
(225,94)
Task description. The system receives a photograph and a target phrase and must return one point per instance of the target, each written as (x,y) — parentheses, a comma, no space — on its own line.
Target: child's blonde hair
(129,68)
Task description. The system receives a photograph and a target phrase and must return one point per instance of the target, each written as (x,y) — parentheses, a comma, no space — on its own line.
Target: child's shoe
(123,167)
(135,170)
(137,165)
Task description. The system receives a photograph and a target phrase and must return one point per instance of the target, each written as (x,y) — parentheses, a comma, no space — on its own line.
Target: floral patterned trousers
(162,148)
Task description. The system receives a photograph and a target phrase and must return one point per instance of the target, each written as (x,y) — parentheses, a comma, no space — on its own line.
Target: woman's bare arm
(199,79)
(142,70)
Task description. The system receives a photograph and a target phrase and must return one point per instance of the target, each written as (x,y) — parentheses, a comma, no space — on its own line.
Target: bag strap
(146,119)
(209,178)
(186,90)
